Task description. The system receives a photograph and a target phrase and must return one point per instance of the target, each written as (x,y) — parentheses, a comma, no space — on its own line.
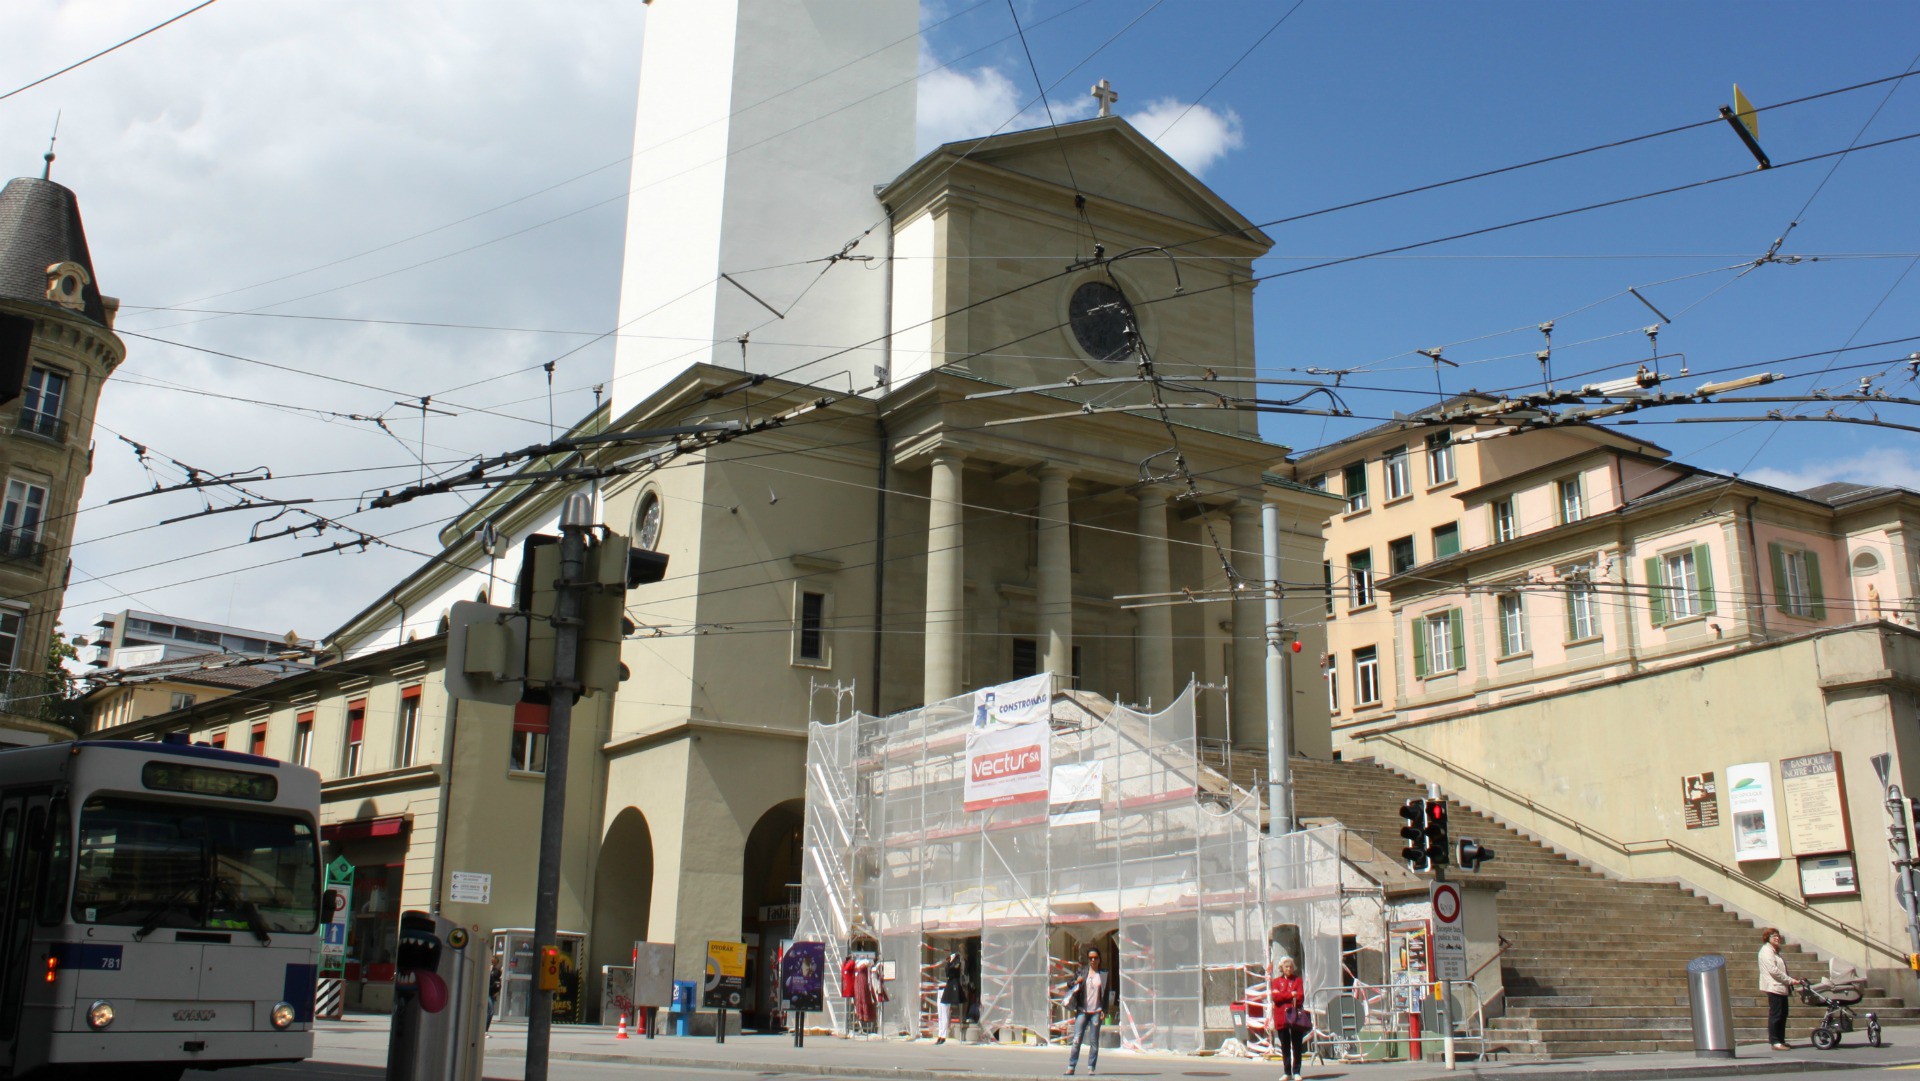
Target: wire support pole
(1279,680)
(576,521)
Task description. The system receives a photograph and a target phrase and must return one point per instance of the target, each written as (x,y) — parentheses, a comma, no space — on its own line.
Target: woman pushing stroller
(1778,983)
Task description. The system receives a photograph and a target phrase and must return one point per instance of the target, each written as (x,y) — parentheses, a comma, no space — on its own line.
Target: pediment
(1107,159)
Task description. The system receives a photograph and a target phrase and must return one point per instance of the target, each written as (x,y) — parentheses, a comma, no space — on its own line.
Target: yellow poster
(726,975)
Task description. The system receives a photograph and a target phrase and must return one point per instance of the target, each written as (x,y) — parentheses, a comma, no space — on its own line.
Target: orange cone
(622,1035)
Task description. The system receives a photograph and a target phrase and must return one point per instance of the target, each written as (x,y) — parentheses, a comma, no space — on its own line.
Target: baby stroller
(1838,996)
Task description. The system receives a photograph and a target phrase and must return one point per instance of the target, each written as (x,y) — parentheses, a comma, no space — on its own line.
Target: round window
(1101,317)
(646,524)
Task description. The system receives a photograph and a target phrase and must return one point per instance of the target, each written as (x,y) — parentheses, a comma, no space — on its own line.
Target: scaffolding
(1132,846)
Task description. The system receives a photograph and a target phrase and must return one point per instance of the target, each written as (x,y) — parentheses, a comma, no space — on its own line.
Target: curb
(1719,1068)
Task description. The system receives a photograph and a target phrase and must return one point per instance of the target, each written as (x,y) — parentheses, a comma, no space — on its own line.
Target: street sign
(1449,948)
(333,934)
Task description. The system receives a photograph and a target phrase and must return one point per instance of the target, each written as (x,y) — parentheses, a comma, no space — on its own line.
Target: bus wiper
(159,911)
(222,888)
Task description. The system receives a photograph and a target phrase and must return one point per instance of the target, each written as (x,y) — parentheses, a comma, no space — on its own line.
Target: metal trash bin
(1712,1007)
(440,1002)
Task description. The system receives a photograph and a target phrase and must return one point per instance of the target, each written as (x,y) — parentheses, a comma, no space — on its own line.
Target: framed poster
(1828,876)
(1756,836)
(1701,799)
(1810,786)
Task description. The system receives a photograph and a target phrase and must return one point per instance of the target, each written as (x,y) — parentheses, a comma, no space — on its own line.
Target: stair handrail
(1634,848)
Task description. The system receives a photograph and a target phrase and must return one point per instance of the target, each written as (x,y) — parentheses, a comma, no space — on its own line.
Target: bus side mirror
(329,905)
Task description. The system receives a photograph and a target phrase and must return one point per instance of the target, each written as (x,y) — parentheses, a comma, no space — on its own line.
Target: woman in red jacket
(1286,1007)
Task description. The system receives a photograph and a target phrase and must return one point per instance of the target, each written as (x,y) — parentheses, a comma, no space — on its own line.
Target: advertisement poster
(1023,701)
(1007,765)
(1816,807)
(802,976)
(726,975)
(1075,793)
(1750,801)
(1701,799)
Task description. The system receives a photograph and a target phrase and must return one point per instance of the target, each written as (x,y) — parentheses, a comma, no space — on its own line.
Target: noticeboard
(653,974)
(1810,786)
(726,983)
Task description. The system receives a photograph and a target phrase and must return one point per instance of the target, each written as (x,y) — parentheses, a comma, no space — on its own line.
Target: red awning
(366,829)
(529,717)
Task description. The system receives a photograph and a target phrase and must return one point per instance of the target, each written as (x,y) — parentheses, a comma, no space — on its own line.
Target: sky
(317,212)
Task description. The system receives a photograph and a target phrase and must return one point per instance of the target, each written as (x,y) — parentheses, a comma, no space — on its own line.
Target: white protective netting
(1165,868)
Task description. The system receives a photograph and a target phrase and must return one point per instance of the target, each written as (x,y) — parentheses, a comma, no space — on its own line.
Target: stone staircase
(1597,965)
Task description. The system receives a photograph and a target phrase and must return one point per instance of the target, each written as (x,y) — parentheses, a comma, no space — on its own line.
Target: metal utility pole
(1279,682)
(576,520)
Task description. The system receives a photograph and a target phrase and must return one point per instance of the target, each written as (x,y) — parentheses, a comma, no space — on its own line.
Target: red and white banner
(1008,765)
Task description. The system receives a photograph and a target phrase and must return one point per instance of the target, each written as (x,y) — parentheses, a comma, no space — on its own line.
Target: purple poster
(802,971)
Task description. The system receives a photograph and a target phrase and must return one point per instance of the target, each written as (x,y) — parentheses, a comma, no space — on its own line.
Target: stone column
(1053,608)
(1249,694)
(946,637)
(1153,645)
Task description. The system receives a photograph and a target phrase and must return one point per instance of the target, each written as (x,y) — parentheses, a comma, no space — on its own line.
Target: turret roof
(40,226)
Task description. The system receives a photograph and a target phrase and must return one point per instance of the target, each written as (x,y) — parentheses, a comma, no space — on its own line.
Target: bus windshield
(151,864)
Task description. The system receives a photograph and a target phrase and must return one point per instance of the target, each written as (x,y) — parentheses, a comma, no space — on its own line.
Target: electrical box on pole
(486,653)
(537,597)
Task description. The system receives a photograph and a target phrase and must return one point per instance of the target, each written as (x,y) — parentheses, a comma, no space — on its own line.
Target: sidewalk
(831,1056)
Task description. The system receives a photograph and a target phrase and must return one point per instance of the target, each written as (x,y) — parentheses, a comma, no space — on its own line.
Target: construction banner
(1007,765)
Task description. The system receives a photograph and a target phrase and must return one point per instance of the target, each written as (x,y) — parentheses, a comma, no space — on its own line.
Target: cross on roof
(1106,94)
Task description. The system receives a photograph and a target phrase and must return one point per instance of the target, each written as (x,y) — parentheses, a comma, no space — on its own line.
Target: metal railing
(44,425)
(43,696)
(1654,846)
(20,546)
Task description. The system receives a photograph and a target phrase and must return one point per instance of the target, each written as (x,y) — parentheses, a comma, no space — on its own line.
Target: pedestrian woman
(1777,982)
(1287,1012)
(952,993)
(1087,999)
(493,991)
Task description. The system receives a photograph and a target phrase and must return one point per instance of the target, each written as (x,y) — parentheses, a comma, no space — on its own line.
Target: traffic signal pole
(576,521)
(1440,986)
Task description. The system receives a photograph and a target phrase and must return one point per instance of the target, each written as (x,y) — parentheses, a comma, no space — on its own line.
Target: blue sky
(257,140)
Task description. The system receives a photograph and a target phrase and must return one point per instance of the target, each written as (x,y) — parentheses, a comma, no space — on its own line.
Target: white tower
(763,128)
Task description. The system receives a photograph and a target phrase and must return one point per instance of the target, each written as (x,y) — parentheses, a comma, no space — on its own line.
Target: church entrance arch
(770,905)
(622,895)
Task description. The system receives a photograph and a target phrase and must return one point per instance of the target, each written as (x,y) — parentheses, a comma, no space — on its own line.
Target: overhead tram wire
(1079,197)
(105,51)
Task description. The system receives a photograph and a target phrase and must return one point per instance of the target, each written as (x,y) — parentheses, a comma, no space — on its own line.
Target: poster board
(1812,789)
(1008,765)
(726,975)
(653,974)
(1756,835)
(1828,876)
(802,976)
(1700,797)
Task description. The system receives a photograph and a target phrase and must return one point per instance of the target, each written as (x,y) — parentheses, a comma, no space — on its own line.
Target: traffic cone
(622,1035)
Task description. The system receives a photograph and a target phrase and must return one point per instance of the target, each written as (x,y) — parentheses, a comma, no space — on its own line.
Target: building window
(529,751)
(356,737)
(1505,525)
(21,518)
(409,744)
(1680,585)
(10,623)
(1333,688)
(1796,582)
(1360,578)
(1400,555)
(1366,677)
(1439,644)
(1326,572)
(1573,506)
(1583,618)
(218,740)
(41,407)
(1446,540)
(1513,625)
(1026,660)
(180,700)
(1355,480)
(303,740)
(1440,458)
(257,740)
(1319,483)
(1399,474)
(810,636)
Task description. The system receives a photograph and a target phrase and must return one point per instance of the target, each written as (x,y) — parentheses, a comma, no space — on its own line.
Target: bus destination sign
(208,781)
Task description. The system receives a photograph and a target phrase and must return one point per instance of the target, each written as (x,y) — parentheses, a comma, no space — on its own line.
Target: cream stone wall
(1573,770)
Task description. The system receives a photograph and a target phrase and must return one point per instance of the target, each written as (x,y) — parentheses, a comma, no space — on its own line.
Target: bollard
(1711,1006)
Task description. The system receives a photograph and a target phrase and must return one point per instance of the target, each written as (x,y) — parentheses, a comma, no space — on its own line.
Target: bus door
(23,839)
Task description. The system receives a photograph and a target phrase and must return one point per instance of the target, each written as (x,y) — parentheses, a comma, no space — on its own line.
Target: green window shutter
(1656,593)
(1457,626)
(1420,648)
(1703,570)
(1779,557)
(1819,597)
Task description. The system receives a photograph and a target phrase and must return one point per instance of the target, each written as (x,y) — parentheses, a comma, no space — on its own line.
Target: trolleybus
(159,909)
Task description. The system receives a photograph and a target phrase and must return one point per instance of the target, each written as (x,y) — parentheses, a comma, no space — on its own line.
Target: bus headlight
(100,1014)
(282,1015)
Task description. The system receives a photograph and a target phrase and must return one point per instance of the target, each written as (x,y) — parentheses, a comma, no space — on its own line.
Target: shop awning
(366,829)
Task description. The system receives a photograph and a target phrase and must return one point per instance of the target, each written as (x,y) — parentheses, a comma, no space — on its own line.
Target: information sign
(1449,947)
(1701,799)
(470,887)
(1810,786)
(333,933)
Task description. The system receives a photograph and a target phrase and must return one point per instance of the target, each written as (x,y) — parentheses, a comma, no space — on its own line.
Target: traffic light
(613,567)
(1435,835)
(1414,814)
(1473,854)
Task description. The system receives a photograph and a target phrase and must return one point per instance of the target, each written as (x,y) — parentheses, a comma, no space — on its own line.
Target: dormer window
(67,285)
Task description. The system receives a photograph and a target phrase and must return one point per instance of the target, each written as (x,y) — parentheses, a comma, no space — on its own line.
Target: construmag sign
(1007,765)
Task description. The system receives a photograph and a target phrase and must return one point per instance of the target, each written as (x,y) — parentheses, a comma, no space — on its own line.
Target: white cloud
(963,104)
(1889,467)
(1197,139)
